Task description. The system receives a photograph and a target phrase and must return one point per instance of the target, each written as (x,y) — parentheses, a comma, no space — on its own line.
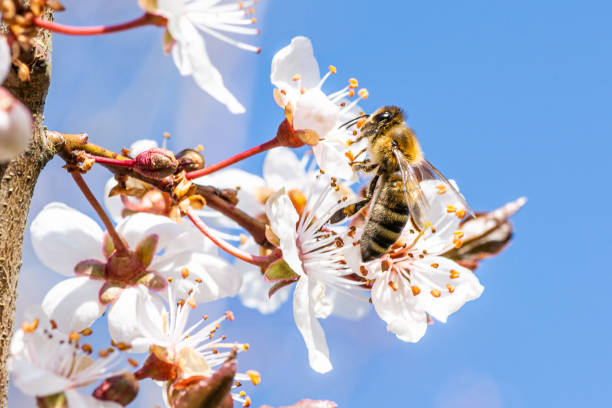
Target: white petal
(63,236)
(15,126)
(77,400)
(398,309)
(218,278)
(113,204)
(254,289)
(282,168)
(125,313)
(73,303)
(138,226)
(314,110)
(35,381)
(190,56)
(466,287)
(5,59)
(330,157)
(283,219)
(312,332)
(254,292)
(296,58)
(142,145)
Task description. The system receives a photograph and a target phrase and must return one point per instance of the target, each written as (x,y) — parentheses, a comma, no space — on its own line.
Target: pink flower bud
(15,126)
(156,163)
(121,389)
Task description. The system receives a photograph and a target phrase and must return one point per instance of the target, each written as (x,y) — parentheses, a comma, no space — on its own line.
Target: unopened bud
(121,389)
(156,163)
(15,126)
(190,160)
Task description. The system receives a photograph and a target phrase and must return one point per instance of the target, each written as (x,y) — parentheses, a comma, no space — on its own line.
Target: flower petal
(331,159)
(464,287)
(282,168)
(283,219)
(77,400)
(63,236)
(136,227)
(398,309)
(113,204)
(208,276)
(5,59)
(125,313)
(312,332)
(73,303)
(190,57)
(296,58)
(314,110)
(35,381)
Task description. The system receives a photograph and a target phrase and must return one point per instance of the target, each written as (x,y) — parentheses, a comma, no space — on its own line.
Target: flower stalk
(117,241)
(270,144)
(145,19)
(263,261)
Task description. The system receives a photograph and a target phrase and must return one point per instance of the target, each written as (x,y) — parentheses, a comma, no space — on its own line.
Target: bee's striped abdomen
(388,217)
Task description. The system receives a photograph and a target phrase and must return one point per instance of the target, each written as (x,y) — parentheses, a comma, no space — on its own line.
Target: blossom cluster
(150,268)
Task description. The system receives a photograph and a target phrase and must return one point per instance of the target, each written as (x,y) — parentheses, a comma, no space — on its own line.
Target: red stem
(112,162)
(145,19)
(262,261)
(119,244)
(270,144)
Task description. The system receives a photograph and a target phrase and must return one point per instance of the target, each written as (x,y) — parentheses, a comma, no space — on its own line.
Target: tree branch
(17,180)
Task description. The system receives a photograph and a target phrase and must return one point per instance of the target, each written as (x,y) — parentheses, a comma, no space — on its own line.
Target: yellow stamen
(435,293)
(450,288)
(415,290)
(254,376)
(353,83)
(29,327)
(454,274)
(184,273)
(332,69)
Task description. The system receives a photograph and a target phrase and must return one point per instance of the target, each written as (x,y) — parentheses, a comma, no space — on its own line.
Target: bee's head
(383,119)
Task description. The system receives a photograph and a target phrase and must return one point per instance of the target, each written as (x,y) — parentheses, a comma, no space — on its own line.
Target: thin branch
(270,144)
(145,19)
(119,244)
(263,261)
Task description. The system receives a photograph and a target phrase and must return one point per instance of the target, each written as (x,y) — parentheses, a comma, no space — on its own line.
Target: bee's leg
(349,210)
(366,165)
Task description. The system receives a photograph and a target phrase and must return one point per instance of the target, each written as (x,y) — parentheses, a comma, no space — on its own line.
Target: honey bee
(394,198)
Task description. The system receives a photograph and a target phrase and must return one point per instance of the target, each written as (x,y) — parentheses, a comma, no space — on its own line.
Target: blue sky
(509,99)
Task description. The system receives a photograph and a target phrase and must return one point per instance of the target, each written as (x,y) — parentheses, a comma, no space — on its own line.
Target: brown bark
(17,180)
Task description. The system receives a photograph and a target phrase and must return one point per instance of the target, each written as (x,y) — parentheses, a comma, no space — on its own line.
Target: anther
(199,148)
(435,293)
(441,188)
(454,274)
(296,77)
(86,332)
(450,288)
(87,348)
(29,327)
(393,285)
(247,402)
(184,273)
(245,346)
(353,83)
(53,324)
(363,93)
(332,69)
(434,265)
(205,317)
(254,376)
(242,394)
(415,290)
(166,135)
(458,234)
(74,336)
(191,302)
(460,213)
(230,315)
(450,209)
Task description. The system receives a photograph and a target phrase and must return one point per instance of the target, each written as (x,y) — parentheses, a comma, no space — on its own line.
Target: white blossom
(315,254)
(295,73)
(70,243)
(413,280)
(15,118)
(187,20)
(44,361)
(193,347)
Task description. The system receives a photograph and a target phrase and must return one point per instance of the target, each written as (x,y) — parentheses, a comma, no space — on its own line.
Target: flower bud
(15,126)
(190,160)
(156,163)
(121,389)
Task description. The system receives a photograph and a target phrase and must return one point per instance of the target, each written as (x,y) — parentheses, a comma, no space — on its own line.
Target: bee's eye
(382,116)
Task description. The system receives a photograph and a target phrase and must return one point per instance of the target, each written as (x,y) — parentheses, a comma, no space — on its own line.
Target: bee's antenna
(353,121)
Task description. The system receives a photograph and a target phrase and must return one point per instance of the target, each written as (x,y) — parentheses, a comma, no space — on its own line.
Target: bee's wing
(418,205)
(428,171)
